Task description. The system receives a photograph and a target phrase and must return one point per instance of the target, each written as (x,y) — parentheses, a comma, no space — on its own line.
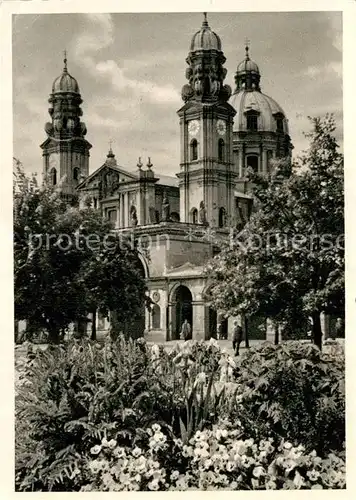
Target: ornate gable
(106,180)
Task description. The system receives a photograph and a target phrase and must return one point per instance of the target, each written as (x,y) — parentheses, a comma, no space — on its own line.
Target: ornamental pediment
(106,180)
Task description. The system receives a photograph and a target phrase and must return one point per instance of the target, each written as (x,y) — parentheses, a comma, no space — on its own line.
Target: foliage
(71,399)
(68,262)
(293,391)
(219,458)
(288,261)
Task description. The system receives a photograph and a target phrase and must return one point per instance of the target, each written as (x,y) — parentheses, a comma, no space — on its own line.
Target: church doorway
(183,309)
(213,321)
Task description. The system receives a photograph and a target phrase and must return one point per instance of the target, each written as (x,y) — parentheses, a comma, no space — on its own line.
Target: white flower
(153,485)
(95,450)
(258,471)
(119,452)
(111,444)
(313,475)
(287,445)
(156,427)
(155,351)
(96,465)
(221,433)
(174,475)
(136,452)
(214,342)
(298,480)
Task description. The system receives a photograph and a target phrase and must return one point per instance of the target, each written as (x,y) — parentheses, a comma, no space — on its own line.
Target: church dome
(205,38)
(270,115)
(65,82)
(247,65)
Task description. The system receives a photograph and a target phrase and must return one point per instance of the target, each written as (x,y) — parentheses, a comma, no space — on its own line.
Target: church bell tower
(206,176)
(65,151)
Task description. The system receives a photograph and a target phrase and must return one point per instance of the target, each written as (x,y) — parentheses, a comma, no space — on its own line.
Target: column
(198,320)
(122,211)
(325,325)
(126,204)
(265,162)
(241,161)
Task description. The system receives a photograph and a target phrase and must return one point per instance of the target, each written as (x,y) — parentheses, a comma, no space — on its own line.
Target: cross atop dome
(110,153)
(247,47)
(65,61)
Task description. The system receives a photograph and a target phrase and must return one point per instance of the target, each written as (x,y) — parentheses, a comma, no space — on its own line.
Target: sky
(131,68)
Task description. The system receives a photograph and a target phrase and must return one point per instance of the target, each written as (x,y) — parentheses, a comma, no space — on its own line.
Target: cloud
(325,70)
(100,35)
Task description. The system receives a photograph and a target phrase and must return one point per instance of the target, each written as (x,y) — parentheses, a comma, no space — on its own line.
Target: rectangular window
(279,124)
(112,216)
(252,122)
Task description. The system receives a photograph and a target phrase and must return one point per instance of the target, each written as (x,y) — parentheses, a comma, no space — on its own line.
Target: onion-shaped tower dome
(65,82)
(205,38)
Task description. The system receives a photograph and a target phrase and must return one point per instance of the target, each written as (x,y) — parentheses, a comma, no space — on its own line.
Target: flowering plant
(219,458)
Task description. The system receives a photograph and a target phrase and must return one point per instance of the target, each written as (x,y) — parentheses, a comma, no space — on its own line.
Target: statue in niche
(105,185)
(133,216)
(114,183)
(100,188)
(165,210)
(202,214)
(152,215)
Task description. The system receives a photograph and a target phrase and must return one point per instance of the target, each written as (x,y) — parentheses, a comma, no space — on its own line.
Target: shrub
(293,391)
(70,396)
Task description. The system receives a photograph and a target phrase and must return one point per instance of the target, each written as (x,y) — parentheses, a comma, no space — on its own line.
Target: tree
(288,262)
(66,263)
(111,277)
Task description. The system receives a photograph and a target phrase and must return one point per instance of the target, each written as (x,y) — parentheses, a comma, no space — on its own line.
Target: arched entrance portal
(182,309)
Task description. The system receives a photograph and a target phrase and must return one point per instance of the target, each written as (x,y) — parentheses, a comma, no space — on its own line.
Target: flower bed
(127,416)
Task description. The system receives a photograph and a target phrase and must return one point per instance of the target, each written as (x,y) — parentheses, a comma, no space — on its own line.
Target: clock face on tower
(193,127)
(221,127)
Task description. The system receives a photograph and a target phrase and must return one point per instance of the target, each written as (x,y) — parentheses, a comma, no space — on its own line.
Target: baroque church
(222,133)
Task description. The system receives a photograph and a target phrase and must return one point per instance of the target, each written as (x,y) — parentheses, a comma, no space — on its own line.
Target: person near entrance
(186,332)
(237,335)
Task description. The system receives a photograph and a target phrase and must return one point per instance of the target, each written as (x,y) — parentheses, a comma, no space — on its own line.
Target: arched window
(252,162)
(222,217)
(221,150)
(194,216)
(175,217)
(193,150)
(76,174)
(156,317)
(53,176)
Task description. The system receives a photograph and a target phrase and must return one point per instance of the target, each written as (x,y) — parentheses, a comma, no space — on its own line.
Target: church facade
(176,220)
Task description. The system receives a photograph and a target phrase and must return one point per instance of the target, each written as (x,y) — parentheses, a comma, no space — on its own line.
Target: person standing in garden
(186,333)
(237,337)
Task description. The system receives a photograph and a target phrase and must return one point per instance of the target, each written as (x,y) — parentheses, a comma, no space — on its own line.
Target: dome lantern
(247,75)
